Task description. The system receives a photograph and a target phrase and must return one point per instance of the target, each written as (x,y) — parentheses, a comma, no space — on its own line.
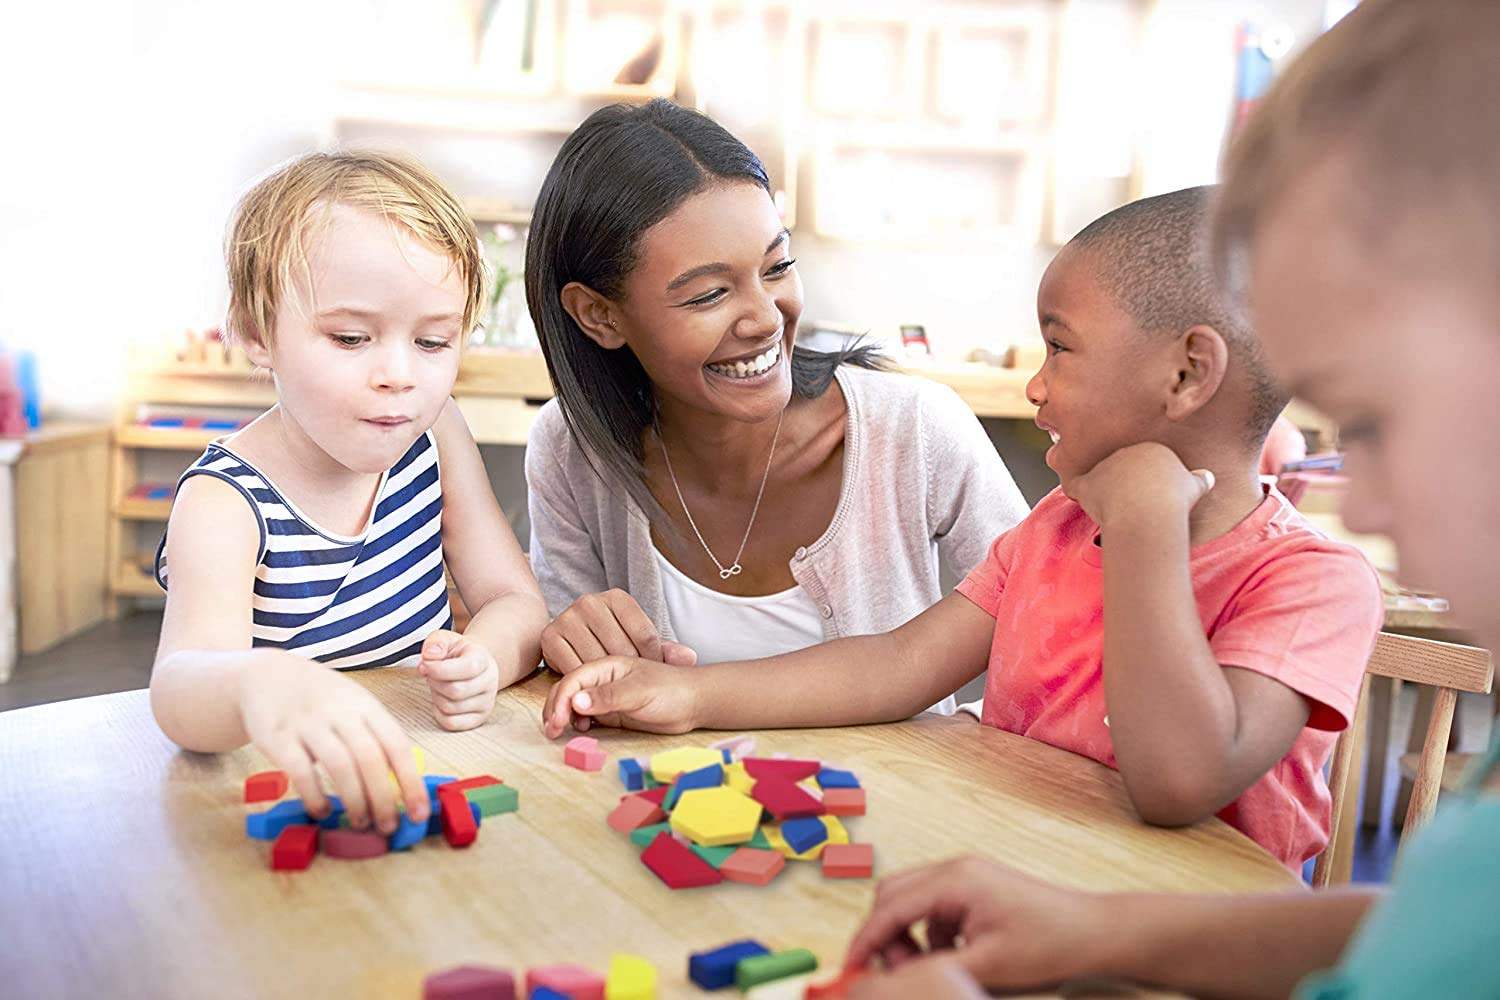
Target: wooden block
(269,824)
(459,826)
(668,764)
(677,866)
(736,777)
(408,833)
(265,786)
(632,774)
(787,769)
(752,866)
(739,747)
(757,969)
(570,980)
(495,799)
(835,989)
(715,856)
(802,835)
(630,978)
(849,861)
(791,988)
(657,795)
(836,835)
(785,800)
(470,982)
(844,801)
(353,845)
(715,817)
(336,818)
(714,969)
(646,834)
(634,812)
(583,753)
(830,777)
(711,776)
(294,848)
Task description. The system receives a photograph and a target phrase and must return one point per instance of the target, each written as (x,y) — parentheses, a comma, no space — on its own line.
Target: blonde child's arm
(493,578)
(212,692)
(872,678)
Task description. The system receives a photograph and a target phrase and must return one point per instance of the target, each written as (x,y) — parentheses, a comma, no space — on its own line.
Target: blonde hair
(269,231)
(1406,93)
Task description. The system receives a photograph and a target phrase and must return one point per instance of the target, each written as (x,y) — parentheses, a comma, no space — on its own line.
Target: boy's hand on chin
(1140,482)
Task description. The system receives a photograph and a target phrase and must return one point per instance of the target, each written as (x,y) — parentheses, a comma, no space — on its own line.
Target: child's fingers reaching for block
(936,976)
(400,754)
(290,756)
(624,691)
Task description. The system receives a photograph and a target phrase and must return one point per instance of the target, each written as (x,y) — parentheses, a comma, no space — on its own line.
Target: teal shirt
(1438,932)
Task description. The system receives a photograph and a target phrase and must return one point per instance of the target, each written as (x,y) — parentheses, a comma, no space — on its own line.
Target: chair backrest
(1446,666)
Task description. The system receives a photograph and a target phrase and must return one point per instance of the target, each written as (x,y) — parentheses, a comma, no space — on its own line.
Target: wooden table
(126,871)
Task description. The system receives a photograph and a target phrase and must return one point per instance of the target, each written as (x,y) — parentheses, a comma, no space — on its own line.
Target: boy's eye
(349,339)
(1364,432)
(1053,347)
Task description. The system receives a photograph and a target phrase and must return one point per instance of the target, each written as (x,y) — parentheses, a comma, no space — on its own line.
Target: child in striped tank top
(317,536)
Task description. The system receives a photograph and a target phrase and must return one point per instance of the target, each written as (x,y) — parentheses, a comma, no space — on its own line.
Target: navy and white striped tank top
(352,603)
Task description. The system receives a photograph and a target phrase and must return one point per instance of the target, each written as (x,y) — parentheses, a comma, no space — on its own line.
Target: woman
(701,488)
(1360,203)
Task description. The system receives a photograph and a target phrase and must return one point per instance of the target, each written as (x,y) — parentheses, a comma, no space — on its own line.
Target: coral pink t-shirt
(1275,596)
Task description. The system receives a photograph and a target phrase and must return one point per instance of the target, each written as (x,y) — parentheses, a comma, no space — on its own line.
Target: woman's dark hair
(621,172)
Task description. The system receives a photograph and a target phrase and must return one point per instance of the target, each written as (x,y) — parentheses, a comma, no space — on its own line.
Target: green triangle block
(759,840)
(646,834)
(494,799)
(652,782)
(714,855)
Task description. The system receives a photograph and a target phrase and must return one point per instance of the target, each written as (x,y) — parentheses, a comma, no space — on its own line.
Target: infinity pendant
(734,570)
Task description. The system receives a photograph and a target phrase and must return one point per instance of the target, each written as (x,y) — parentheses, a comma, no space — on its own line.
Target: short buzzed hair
(1152,255)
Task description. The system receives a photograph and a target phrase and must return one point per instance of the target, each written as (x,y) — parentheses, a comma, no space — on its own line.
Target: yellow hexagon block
(630,978)
(670,763)
(716,817)
(736,777)
(837,834)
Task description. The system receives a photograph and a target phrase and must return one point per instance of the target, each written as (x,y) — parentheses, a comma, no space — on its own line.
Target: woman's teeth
(746,369)
(1053,435)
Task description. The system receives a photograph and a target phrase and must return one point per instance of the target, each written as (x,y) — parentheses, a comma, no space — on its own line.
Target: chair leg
(1335,866)
(1429,781)
(1421,723)
(1384,693)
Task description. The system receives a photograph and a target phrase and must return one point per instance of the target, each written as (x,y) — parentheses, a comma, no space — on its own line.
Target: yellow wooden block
(837,834)
(630,978)
(670,763)
(736,777)
(716,817)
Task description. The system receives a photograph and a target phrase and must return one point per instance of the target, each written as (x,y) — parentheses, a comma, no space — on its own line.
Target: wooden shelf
(488,211)
(165,438)
(139,509)
(131,581)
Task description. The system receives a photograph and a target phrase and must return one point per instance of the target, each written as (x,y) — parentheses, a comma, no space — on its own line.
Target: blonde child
(1187,627)
(317,536)
(1393,330)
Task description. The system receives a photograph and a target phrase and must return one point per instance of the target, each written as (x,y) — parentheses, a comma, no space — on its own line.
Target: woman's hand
(607,624)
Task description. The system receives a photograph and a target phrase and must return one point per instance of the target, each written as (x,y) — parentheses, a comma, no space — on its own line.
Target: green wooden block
(642,838)
(715,855)
(759,840)
(494,799)
(652,782)
(757,969)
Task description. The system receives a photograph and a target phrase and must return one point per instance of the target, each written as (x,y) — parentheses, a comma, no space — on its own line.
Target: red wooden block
(634,812)
(656,796)
(790,771)
(265,786)
(572,981)
(844,801)
(676,864)
(785,800)
(354,845)
(753,866)
(835,989)
(294,848)
(469,982)
(464,784)
(848,860)
(459,828)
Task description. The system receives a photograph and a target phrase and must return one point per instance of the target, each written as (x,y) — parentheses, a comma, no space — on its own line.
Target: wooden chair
(1449,668)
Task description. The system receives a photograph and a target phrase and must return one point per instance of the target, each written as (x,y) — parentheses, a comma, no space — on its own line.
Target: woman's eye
(781,268)
(707,298)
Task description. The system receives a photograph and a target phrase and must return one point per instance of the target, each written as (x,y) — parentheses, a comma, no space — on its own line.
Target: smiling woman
(701,488)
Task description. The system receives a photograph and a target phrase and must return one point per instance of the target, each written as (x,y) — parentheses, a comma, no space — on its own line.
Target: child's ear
(1202,362)
(592,312)
(255,348)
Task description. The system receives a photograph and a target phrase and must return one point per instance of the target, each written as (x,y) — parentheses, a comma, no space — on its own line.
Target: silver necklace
(735,568)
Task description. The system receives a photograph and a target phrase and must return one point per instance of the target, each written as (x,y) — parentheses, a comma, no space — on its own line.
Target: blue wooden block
(331,821)
(714,970)
(159,493)
(631,775)
(407,833)
(543,993)
(165,422)
(478,814)
(833,778)
(802,835)
(221,425)
(711,776)
(269,824)
(728,757)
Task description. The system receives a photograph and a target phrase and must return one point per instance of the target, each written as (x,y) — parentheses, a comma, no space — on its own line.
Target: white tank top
(722,627)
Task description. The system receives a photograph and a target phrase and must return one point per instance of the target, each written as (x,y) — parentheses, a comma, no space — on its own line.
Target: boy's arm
(1189,734)
(481,552)
(873,678)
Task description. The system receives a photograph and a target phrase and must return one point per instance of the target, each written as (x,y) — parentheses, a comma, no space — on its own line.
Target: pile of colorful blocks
(458,808)
(699,812)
